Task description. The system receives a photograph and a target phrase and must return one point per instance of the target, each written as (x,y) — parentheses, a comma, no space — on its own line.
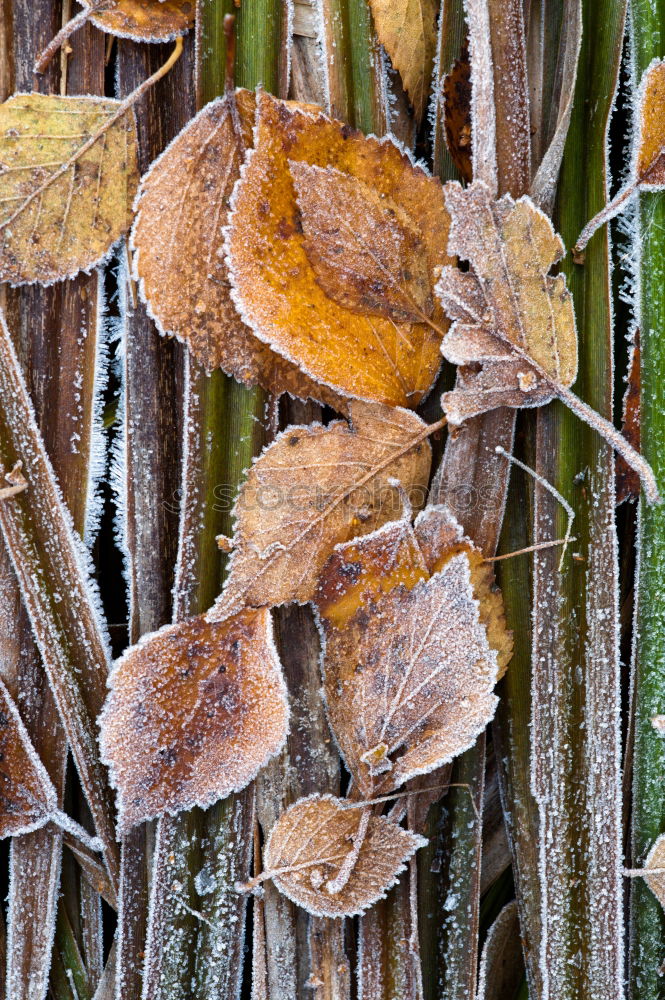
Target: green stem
(647,937)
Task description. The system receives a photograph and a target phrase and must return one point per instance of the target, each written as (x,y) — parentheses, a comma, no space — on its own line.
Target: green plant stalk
(368,107)
(575,757)
(647,924)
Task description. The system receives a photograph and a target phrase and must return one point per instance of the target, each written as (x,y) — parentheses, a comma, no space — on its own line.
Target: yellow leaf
(315,486)
(407,31)
(314,838)
(68,176)
(178,241)
(146,20)
(276,287)
(195,710)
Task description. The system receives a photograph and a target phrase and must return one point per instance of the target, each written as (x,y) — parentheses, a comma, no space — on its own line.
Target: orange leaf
(649,167)
(146,20)
(310,843)
(179,260)
(313,487)
(276,287)
(195,711)
(408,669)
(407,30)
(27,797)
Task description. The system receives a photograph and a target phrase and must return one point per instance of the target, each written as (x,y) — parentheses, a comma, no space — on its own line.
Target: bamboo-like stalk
(575,755)
(647,925)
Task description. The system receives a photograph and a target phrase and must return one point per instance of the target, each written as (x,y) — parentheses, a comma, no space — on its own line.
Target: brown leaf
(195,710)
(315,486)
(457,113)
(408,671)
(407,31)
(276,287)
(656,859)
(179,262)
(27,797)
(146,20)
(509,316)
(370,257)
(68,176)
(649,167)
(627,480)
(310,842)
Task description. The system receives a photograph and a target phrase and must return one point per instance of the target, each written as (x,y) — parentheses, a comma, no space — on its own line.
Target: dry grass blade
(333,859)
(275,285)
(51,569)
(316,486)
(68,177)
(205,705)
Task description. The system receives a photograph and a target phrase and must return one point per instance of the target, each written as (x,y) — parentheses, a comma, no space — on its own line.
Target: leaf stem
(44,58)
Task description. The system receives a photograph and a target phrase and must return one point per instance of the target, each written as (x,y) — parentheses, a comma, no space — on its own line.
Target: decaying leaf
(457,113)
(370,257)
(277,289)
(315,486)
(27,797)
(649,168)
(627,480)
(656,859)
(146,20)
(195,710)
(314,837)
(407,31)
(179,250)
(509,316)
(408,669)
(68,176)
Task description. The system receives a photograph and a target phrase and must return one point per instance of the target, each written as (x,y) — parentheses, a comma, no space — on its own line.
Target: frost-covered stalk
(575,753)
(647,937)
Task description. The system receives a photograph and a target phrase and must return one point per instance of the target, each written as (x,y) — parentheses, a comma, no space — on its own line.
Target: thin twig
(44,58)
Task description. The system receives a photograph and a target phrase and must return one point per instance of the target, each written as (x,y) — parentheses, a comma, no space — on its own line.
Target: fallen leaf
(178,244)
(627,480)
(649,168)
(408,671)
(457,113)
(68,176)
(146,20)
(195,710)
(27,797)
(440,537)
(407,31)
(275,284)
(315,486)
(310,842)
(509,316)
(656,859)
(369,256)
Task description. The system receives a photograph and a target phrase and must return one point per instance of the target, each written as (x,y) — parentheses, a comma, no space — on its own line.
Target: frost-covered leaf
(179,260)
(649,168)
(68,176)
(367,253)
(407,31)
(315,486)
(27,797)
(439,537)
(146,20)
(314,837)
(457,113)
(509,316)
(656,859)
(408,671)
(275,285)
(195,710)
